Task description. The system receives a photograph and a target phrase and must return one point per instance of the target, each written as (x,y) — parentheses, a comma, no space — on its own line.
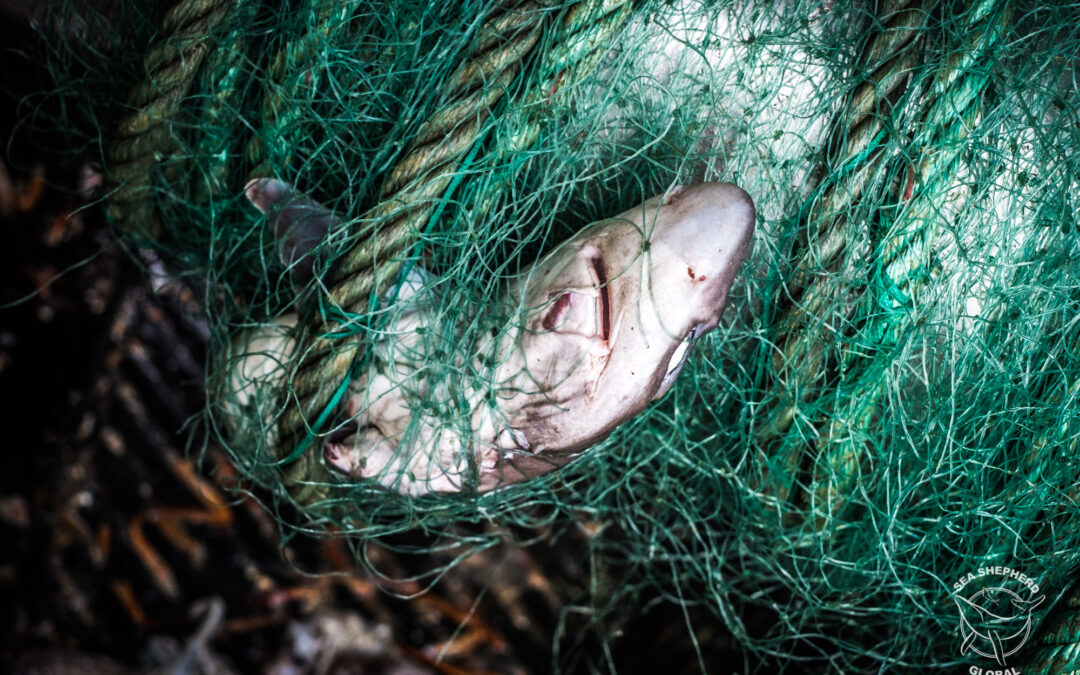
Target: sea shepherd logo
(995,613)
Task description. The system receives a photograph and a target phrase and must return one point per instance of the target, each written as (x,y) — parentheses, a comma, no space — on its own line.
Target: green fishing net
(890,402)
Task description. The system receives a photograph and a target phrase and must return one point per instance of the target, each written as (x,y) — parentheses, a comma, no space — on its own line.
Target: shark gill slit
(597,262)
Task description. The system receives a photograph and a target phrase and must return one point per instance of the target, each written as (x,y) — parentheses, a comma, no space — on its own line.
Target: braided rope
(901,254)
(144,137)
(887,58)
(907,250)
(277,137)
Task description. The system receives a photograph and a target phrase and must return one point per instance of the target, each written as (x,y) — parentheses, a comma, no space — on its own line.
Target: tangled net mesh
(891,398)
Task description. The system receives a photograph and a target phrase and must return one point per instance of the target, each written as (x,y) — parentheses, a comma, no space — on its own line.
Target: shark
(598,329)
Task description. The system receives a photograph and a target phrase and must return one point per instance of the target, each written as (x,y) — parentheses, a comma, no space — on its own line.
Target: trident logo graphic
(995,622)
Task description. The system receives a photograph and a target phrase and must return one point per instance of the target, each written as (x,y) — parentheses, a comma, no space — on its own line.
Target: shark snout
(696,244)
(702,236)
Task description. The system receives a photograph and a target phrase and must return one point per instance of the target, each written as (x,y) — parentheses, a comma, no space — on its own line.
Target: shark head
(610,317)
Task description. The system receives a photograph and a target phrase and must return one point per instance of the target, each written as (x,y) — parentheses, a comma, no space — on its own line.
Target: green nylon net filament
(891,399)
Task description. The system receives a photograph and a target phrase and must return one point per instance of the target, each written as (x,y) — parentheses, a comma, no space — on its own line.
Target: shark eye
(678,358)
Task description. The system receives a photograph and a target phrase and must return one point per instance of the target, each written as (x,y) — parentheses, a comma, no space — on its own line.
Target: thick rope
(887,59)
(917,182)
(906,250)
(145,136)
